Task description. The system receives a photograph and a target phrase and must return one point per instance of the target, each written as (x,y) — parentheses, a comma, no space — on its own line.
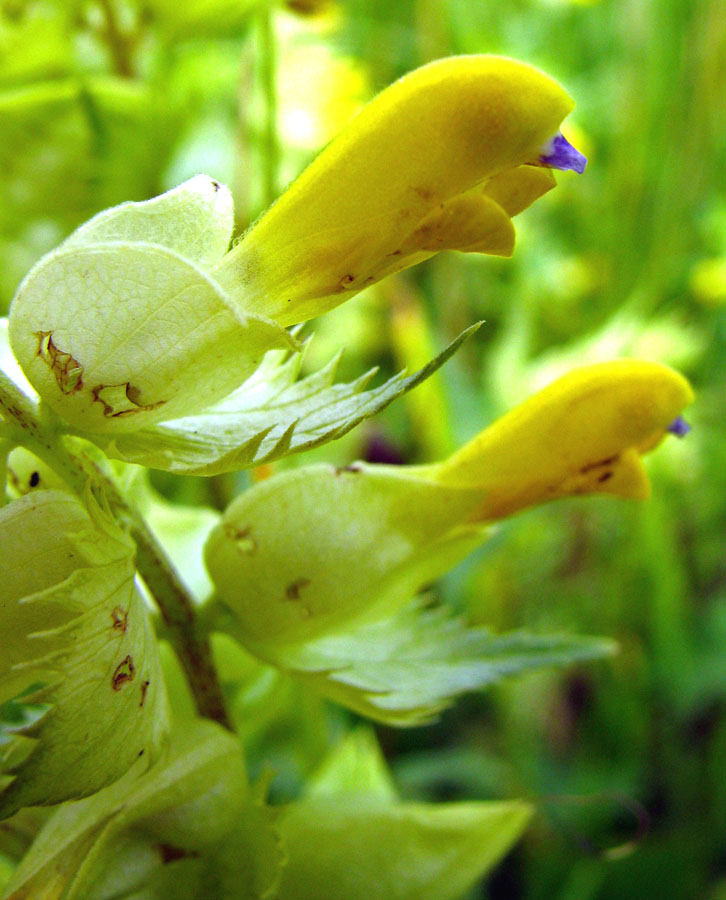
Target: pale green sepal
(354,767)
(107,702)
(250,862)
(194,219)
(340,850)
(117,336)
(405,669)
(315,550)
(272,415)
(114,842)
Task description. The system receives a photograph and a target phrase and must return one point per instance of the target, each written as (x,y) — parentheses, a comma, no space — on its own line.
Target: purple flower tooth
(558,153)
(679,427)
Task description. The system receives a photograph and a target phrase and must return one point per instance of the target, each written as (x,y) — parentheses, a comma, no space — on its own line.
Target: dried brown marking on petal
(606,476)
(346,280)
(424,193)
(121,400)
(292,591)
(124,671)
(144,689)
(395,253)
(216,185)
(608,461)
(67,370)
(120,619)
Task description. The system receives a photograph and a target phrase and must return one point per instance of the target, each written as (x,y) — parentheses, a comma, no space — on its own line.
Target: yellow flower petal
(516,189)
(351,216)
(583,434)
(469,221)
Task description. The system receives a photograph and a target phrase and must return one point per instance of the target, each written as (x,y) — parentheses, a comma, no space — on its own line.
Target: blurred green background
(108,100)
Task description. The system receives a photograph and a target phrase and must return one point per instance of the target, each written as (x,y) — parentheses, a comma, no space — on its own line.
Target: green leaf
(249,864)
(76,631)
(113,842)
(368,850)
(270,416)
(405,669)
(356,767)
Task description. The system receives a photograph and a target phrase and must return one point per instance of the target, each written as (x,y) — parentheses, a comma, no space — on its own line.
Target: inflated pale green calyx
(38,551)
(585,433)
(312,550)
(383,195)
(111,844)
(78,646)
(123,326)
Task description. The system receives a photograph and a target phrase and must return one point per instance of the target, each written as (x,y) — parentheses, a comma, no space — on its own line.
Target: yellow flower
(442,159)
(583,434)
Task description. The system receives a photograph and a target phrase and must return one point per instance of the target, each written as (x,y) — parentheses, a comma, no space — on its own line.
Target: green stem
(6,445)
(118,43)
(268,79)
(79,472)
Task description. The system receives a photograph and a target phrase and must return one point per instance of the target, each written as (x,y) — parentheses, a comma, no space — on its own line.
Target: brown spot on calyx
(241,537)
(170,854)
(67,370)
(120,619)
(292,591)
(353,467)
(144,689)
(124,671)
(121,400)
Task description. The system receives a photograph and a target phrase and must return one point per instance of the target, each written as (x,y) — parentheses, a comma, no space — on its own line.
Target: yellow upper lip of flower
(585,433)
(414,172)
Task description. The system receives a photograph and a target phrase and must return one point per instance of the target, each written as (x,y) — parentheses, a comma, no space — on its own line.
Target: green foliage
(270,416)
(317,571)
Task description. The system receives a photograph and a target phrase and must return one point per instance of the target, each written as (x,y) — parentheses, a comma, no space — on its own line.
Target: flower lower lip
(558,153)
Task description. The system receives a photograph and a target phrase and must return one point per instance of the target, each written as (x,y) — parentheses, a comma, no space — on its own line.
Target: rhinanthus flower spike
(440,160)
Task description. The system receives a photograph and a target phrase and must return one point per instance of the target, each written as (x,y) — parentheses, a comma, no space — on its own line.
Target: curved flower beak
(441,160)
(583,434)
